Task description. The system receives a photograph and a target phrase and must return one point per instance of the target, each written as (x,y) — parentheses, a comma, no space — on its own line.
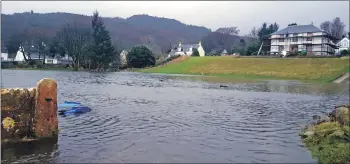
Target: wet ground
(139,117)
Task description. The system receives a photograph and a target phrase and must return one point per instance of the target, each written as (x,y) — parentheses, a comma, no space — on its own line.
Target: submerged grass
(305,69)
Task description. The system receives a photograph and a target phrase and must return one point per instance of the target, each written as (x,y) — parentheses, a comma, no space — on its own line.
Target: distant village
(307,38)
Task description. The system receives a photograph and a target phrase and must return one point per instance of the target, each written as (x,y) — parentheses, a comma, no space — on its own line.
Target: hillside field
(314,69)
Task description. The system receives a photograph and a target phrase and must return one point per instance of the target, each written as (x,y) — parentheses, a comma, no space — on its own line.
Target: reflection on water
(31,151)
(158,118)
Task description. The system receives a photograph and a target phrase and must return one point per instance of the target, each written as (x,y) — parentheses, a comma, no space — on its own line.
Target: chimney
(179,47)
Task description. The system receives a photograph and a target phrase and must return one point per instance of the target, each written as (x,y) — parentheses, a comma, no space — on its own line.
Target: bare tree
(75,38)
(228,30)
(336,28)
(28,39)
(254,33)
(326,26)
(219,41)
(12,45)
(41,41)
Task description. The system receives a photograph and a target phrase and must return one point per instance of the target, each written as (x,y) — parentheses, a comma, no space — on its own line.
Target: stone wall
(29,113)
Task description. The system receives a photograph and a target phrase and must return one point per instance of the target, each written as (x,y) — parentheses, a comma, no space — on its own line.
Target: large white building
(302,38)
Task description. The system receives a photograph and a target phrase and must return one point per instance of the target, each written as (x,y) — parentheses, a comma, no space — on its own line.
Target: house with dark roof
(186,49)
(297,38)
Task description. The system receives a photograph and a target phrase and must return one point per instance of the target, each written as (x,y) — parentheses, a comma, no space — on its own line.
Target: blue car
(73,108)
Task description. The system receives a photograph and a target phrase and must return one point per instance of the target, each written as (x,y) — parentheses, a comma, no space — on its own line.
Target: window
(309,34)
(324,39)
(281,40)
(281,35)
(309,48)
(280,48)
(309,39)
(295,39)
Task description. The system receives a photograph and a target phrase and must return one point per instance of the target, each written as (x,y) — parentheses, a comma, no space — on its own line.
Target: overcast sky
(213,15)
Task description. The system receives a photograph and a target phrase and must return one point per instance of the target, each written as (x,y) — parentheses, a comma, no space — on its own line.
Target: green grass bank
(329,139)
(308,69)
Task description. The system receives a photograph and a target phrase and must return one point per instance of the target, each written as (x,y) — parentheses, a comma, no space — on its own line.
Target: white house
(342,45)
(302,38)
(186,49)
(34,55)
(224,52)
(4,56)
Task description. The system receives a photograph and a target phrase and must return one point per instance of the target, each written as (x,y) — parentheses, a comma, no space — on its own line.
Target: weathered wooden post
(29,113)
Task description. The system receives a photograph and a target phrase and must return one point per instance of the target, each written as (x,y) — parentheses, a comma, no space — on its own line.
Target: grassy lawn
(314,69)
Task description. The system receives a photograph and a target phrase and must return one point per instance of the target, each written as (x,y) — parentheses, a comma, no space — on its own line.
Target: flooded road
(139,117)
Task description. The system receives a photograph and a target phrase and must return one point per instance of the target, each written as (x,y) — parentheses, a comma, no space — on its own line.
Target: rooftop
(298,29)
(186,47)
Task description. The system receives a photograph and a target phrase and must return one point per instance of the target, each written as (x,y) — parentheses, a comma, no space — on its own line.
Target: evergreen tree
(240,48)
(252,49)
(265,30)
(140,57)
(103,50)
(276,27)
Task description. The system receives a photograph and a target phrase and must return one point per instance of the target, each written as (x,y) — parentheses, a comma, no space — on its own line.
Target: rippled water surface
(159,118)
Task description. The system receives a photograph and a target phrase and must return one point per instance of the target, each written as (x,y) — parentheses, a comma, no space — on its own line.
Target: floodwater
(139,117)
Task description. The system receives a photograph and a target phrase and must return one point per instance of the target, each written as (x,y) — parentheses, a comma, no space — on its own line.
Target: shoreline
(328,80)
(334,79)
(327,137)
(342,78)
